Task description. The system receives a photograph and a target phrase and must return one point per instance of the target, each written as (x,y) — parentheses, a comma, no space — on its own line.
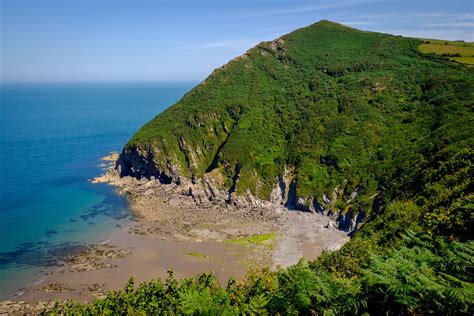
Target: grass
(452,43)
(464,60)
(266,240)
(198,255)
(464,51)
(447,49)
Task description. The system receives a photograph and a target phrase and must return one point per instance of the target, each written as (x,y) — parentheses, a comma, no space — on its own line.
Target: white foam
(19,294)
(39,282)
(104,242)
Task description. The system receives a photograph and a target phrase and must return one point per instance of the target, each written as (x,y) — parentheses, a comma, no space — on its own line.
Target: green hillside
(328,107)
(338,107)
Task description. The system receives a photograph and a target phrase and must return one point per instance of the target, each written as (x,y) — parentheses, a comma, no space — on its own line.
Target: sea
(52,136)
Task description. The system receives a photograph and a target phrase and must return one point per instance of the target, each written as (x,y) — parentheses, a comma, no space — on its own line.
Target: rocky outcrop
(24,308)
(278,193)
(138,162)
(210,189)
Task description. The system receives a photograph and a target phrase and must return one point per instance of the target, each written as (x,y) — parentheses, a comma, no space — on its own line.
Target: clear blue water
(52,137)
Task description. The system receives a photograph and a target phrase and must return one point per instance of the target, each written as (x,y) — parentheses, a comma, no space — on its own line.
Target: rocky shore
(184,230)
(200,212)
(24,308)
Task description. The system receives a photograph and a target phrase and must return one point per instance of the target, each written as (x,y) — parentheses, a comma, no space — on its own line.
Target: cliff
(327,118)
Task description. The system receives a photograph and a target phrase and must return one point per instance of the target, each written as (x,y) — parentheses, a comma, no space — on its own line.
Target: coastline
(173,231)
(307,232)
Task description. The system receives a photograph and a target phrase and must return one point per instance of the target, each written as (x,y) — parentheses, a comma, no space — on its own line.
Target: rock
(277,195)
(199,195)
(302,204)
(54,287)
(150,183)
(93,258)
(112,157)
(149,192)
(331,226)
(326,199)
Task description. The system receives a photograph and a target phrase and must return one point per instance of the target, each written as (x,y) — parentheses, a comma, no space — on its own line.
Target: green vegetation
(464,60)
(266,240)
(198,255)
(462,52)
(336,108)
(445,42)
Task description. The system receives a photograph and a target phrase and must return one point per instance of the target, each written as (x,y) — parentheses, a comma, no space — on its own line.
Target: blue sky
(152,40)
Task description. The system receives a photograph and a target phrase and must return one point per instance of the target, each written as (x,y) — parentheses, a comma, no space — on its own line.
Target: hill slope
(332,119)
(321,115)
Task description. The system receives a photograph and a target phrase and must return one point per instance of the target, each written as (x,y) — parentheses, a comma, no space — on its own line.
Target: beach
(173,232)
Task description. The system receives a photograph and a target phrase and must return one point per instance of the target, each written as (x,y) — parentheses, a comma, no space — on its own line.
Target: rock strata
(206,192)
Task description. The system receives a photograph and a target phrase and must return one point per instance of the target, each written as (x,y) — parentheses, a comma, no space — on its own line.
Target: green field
(452,43)
(464,60)
(462,52)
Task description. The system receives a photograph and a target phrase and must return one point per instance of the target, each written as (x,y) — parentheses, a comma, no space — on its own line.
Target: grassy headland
(343,111)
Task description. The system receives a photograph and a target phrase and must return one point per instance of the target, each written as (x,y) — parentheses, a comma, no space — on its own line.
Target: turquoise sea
(52,136)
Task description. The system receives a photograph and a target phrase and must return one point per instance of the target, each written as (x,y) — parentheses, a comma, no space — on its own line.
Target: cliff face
(326,118)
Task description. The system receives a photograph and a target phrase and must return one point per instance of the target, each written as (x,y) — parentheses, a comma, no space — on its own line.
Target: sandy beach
(173,232)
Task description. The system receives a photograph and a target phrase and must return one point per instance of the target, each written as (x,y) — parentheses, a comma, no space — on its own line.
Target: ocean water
(52,137)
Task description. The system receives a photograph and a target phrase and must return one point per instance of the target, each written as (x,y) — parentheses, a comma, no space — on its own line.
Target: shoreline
(173,231)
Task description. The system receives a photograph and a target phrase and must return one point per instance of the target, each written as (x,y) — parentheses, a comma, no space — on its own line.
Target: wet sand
(146,257)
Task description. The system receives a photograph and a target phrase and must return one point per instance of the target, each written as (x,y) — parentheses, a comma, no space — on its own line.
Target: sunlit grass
(266,240)
(198,255)
(464,60)
(462,52)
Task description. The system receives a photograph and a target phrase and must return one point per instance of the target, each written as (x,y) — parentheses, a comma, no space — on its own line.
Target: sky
(153,40)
